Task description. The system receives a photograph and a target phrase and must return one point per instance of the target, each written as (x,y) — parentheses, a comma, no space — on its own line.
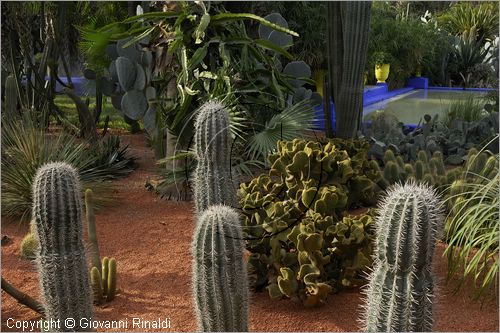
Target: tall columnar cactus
(348,33)
(10,101)
(62,265)
(400,292)
(219,273)
(213,181)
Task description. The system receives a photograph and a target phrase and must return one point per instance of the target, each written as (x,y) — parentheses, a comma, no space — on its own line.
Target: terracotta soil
(150,239)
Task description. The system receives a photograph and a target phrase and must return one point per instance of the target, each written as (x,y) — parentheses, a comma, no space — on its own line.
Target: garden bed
(151,239)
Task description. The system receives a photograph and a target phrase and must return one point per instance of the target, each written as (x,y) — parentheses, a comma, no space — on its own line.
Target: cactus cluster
(104,281)
(454,140)
(61,259)
(220,284)
(431,170)
(400,294)
(103,272)
(307,251)
(219,273)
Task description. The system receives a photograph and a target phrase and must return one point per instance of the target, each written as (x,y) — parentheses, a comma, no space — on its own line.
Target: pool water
(411,107)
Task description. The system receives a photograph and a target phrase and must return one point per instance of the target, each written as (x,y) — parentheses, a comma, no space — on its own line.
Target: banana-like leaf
(269,45)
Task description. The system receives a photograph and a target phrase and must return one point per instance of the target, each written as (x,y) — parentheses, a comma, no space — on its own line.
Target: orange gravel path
(150,239)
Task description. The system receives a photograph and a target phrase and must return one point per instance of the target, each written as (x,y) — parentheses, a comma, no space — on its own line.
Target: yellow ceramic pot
(382,72)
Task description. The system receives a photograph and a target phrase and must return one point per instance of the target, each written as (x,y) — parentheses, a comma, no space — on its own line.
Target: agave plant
(26,147)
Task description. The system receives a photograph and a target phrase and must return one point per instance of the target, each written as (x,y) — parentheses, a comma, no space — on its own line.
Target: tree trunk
(348,33)
(87,124)
(22,298)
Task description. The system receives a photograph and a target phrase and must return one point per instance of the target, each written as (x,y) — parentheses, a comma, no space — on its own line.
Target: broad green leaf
(246,16)
(199,33)
(197,57)
(273,47)
(185,73)
(151,16)
(137,38)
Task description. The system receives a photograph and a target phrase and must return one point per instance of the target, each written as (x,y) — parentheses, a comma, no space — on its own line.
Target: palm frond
(289,124)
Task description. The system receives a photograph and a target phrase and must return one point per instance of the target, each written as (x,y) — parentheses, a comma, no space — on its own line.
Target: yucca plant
(466,16)
(472,228)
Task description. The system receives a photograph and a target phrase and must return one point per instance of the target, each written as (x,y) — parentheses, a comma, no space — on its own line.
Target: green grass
(115,116)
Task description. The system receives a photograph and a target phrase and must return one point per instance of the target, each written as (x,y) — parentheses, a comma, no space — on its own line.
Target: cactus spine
(219,273)
(213,181)
(62,266)
(400,292)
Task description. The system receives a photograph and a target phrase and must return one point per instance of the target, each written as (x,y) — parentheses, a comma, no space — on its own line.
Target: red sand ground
(150,239)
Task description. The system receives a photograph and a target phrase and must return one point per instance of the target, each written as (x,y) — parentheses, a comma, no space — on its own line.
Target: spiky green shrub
(61,259)
(469,109)
(400,293)
(25,148)
(472,223)
(219,272)
(293,218)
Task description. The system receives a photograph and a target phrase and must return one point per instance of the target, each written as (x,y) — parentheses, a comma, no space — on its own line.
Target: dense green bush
(302,245)
(411,45)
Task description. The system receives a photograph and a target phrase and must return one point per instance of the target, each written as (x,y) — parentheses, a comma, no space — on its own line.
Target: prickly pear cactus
(128,83)
(213,181)
(400,294)
(61,260)
(219,273)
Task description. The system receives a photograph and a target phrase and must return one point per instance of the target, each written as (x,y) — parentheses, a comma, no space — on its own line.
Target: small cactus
(102,273)
(391,172)
(219,274)
(400,291)
(213,181)
(389,156)
(422,156)
(29,246)
(62,265)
